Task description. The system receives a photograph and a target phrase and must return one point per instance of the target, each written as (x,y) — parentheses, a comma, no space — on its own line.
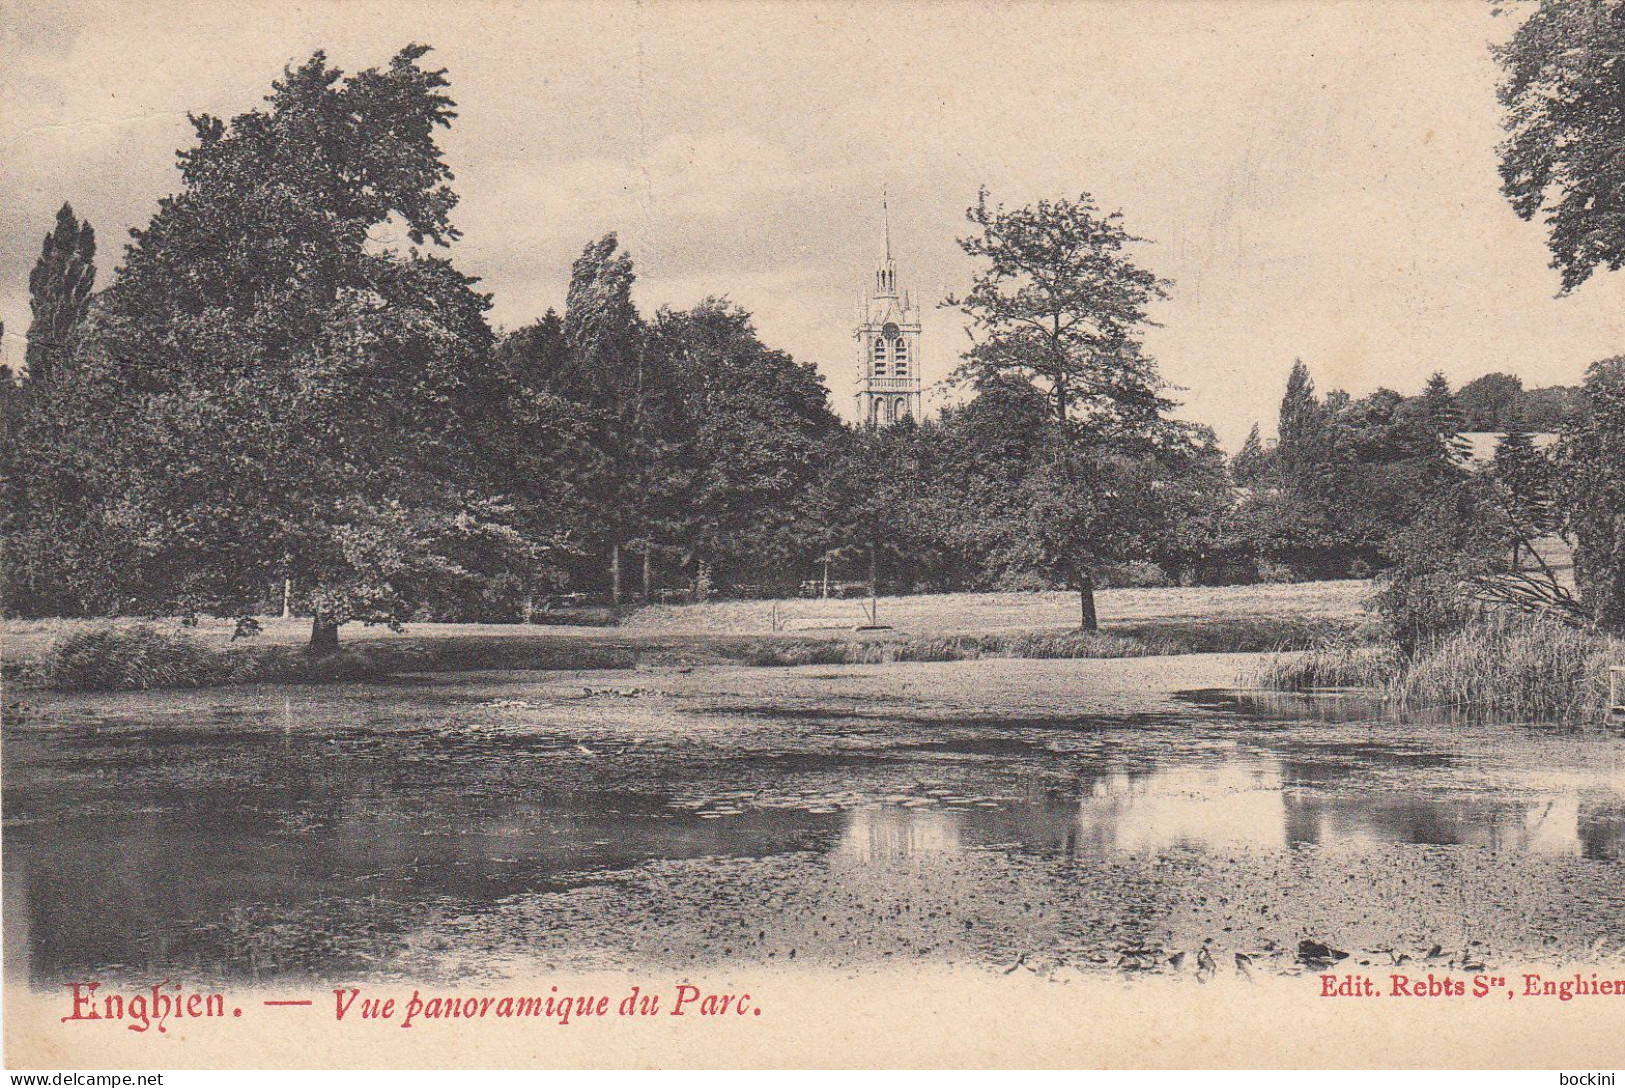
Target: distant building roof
(1481,444)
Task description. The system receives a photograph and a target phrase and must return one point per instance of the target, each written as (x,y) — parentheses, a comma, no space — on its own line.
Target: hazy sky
(1318,178)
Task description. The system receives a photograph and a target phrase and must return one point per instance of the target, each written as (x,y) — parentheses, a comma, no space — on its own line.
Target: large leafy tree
(65,553)
(870,512)
(304,401)
(1347,474)
(557,455)
(1058,299)
(1251,464)
(983,451)
(1088,500)
(59,291)
(58,559)
(1591,474)
(1563,91)
(739,446)
(1492,402)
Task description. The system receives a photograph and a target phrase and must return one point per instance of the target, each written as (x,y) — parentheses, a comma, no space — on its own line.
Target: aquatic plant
(1500,665)
(1512,667)
(1329,664)
(111,658)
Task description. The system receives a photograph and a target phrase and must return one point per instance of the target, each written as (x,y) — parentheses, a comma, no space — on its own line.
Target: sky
(1317,178)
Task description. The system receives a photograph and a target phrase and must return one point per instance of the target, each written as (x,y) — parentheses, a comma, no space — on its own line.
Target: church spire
(885,215)
(888,335)
(886,274)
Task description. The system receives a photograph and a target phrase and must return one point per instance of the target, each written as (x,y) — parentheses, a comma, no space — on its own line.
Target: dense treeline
(1389,484)
(266,404)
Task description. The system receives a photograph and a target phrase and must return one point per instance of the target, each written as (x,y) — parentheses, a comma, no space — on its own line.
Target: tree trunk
(615,573)
(874,591)
(287,598)
(1088,620)
(324,634)
(646,563)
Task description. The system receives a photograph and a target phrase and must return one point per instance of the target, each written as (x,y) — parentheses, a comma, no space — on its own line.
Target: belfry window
(900,351)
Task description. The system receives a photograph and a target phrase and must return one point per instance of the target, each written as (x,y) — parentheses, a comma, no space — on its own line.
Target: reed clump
(1332,664)
(1498,666)
(1511,667)
(119,658)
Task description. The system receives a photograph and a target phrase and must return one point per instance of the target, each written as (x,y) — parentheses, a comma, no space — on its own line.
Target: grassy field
(986,613)
(947,627)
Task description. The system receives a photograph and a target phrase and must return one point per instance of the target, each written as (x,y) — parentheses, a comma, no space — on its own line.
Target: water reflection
(298,836)
(1216,807)
(1225,808)
(884,833)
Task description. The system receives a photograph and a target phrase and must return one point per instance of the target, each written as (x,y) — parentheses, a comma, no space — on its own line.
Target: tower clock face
(890,330)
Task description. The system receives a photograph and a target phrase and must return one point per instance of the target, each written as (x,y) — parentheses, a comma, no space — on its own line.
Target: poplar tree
(59,292)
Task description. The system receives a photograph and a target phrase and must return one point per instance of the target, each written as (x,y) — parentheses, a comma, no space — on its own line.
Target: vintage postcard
(660,534)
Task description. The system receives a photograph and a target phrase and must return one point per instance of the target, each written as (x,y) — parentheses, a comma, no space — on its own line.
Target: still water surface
(469,825)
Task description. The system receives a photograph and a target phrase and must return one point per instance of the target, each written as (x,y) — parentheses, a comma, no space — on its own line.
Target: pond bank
(140,657)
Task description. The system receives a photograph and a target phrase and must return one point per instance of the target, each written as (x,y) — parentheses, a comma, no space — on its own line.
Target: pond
(1088,816)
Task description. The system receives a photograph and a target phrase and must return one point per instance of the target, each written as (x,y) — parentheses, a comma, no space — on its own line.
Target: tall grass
(1030,644)
(1512,668)
(1498,667)
(1331,664)
(136,658)
(113,658)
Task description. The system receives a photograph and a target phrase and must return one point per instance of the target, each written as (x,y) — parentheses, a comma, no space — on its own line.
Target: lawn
(938,627)
(983,613)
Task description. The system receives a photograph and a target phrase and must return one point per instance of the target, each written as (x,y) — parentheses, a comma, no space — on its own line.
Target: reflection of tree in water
(1221,806)
(323,833)
(1557,825)
(1602,831)
(891,832)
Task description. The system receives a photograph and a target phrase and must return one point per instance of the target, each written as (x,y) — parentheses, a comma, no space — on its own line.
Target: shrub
(1135,573)
(1037,644)
(806,652)
(113,658)
(1274,572)
(1067,644)
(1418,611)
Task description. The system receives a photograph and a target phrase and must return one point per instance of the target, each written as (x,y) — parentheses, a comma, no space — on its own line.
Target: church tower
(888,347)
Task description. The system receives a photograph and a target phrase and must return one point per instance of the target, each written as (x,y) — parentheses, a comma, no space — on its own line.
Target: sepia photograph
(686,533)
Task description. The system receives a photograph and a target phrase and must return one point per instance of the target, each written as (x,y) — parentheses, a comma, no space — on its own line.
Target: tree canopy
(1058,299)
(1563,93)
(318,401)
